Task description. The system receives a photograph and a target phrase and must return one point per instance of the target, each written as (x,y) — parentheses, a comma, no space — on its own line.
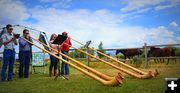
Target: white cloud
(135,14)
(173,24)
(58,3)
(139,4)
(12,11)
(83,24)
(143,10)
(168,4)
(47,1)
(134,5)
(100,25)
(160,32)
(178,39)
(63,3)
(160,7)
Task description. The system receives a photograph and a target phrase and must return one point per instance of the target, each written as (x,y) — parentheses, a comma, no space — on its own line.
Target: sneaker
(55,78)
(26,77)
(3,80)
(63,77)
(67,77)
(9,79)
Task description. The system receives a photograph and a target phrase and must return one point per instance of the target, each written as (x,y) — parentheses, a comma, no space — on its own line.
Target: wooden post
(32,69)
(44,64)
(87,57)
(87,50)
(73,56)
(146,58)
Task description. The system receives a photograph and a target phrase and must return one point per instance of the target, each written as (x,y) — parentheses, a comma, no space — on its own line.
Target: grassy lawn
(80,83)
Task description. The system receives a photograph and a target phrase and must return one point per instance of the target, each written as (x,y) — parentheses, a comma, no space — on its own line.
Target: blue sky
(117,23)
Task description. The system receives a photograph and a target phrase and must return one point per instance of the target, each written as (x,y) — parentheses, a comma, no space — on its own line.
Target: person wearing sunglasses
(9,42)
(25,53)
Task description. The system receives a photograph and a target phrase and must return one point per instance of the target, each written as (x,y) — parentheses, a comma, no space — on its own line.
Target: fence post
(87,57)
(146,58)
(44,64)
(87,50)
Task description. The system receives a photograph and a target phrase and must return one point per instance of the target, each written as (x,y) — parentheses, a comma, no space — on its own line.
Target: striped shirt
(6,37)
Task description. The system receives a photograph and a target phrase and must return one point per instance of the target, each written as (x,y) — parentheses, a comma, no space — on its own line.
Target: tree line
(78,54)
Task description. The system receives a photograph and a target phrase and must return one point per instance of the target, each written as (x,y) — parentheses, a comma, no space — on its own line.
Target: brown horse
(161,52)
(129,53)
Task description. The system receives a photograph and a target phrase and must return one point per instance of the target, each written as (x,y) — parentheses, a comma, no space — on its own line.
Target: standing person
(9,41)
(65,50)
(24,54)
(53,60)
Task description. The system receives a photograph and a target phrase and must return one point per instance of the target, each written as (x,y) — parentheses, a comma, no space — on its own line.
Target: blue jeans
(53,63)
(24,58)
(8,60)
(64,66)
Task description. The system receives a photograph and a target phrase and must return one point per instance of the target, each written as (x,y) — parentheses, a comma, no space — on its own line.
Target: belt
(25,51)
(9,49)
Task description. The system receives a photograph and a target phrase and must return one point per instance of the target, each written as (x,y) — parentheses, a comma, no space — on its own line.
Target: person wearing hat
(65,47)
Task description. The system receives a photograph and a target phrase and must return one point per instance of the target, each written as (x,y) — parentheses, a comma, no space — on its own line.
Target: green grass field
(80,83)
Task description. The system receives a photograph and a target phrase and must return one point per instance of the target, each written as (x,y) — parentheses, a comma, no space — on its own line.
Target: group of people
(9,40)
(63,48)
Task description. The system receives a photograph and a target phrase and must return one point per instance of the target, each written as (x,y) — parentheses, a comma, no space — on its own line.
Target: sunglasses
(27,33)
(10,28)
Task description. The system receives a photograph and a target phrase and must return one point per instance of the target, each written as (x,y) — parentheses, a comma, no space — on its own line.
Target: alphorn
(117,80)
(77,62)
(143,75)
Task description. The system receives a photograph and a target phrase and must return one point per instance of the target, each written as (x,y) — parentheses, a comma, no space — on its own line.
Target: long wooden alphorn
(128,66)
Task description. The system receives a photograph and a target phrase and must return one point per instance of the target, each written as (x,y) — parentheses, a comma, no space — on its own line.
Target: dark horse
(161,52)
(129,53)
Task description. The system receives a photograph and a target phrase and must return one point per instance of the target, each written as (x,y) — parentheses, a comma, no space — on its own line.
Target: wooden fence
(146,48)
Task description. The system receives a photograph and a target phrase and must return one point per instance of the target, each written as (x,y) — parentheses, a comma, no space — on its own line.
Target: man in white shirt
(9,42)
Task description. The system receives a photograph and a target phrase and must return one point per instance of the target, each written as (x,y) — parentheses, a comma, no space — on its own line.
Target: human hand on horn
(59,46)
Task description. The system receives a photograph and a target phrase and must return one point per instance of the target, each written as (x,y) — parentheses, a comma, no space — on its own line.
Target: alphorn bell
(117,80)
(150,74)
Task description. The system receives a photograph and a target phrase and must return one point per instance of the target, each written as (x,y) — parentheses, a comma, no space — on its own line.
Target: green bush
(138,61)
(77,54)
(120,56)
(101,49)
(177,52)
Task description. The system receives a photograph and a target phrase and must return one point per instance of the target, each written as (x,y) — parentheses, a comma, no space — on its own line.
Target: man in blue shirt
(9,42)
(24,54)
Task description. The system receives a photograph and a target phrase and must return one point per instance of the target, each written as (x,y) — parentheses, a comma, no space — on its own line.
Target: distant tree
(177,52)
(101,49)
(77,54)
